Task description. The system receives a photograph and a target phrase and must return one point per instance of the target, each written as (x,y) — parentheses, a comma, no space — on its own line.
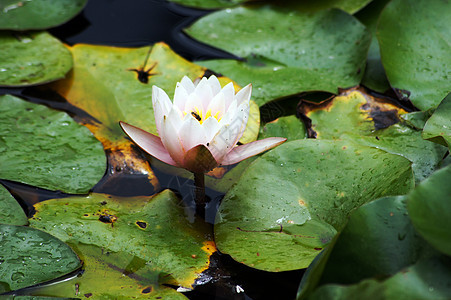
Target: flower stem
(199,182)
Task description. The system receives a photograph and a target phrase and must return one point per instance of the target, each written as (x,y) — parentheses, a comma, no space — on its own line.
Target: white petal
(148,142)
(192,103)
(171,141)
(211,128)
(229,94)
(243,116)
(180,96)
(229,116)
(245,151)
(244,95)
(187,84)
(222,142)
(192,133)
(204,92)
(158,95)
(158,114)
(214,84)
(217,104)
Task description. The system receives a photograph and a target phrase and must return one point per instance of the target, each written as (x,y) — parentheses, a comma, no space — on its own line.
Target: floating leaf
(209,4)
(47,148)
(32,58)
(26,15)
(297,50)
(10,211)
(415,51)
(123,276)
(373,122)
(430,209)
(438,127)
(153,229)
(42,257)
(310,186)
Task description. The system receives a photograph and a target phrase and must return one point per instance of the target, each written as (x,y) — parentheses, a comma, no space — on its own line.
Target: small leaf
(438,127)
(32,58)
(289,127)
(26,15)
(42,257)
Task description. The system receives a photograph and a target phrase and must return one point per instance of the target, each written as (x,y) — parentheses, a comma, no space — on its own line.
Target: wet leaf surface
(29,14)
(47,148)
(438,127)
(374,122)
(429,208)
(10,211)
(155,230)
(289,127)
(296,50)
(32,58)
(42,257)
(300,208)
(415,52)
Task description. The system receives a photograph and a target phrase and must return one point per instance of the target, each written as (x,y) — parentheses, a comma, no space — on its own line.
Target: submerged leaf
(47,148)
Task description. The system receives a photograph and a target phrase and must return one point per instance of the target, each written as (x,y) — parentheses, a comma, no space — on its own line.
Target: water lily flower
(201,128)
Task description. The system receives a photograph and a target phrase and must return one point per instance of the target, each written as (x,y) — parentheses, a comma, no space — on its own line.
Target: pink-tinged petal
(245,151)
(211,127)
(244,95)
(192,133)
(148,142)
(199,160)
(158,95)
(214,84)
(180,96)
(171,141)
(187,84)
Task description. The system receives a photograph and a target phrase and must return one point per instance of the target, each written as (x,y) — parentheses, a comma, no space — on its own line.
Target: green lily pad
(10,211)
(295,49)
(374,76)
(47,148)
(289,127)
(364,116)
(32,58)
(42,257)
(26,15)
(429,208)
(414,40)
(155,230)
(427,279)
(438,127)
(209,4)
(350,6)
(310,187)
(123,277)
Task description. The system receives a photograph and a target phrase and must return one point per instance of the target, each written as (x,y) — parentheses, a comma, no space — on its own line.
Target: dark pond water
(140,23)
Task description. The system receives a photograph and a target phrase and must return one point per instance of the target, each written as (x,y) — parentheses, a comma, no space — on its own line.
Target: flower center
(199,116)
